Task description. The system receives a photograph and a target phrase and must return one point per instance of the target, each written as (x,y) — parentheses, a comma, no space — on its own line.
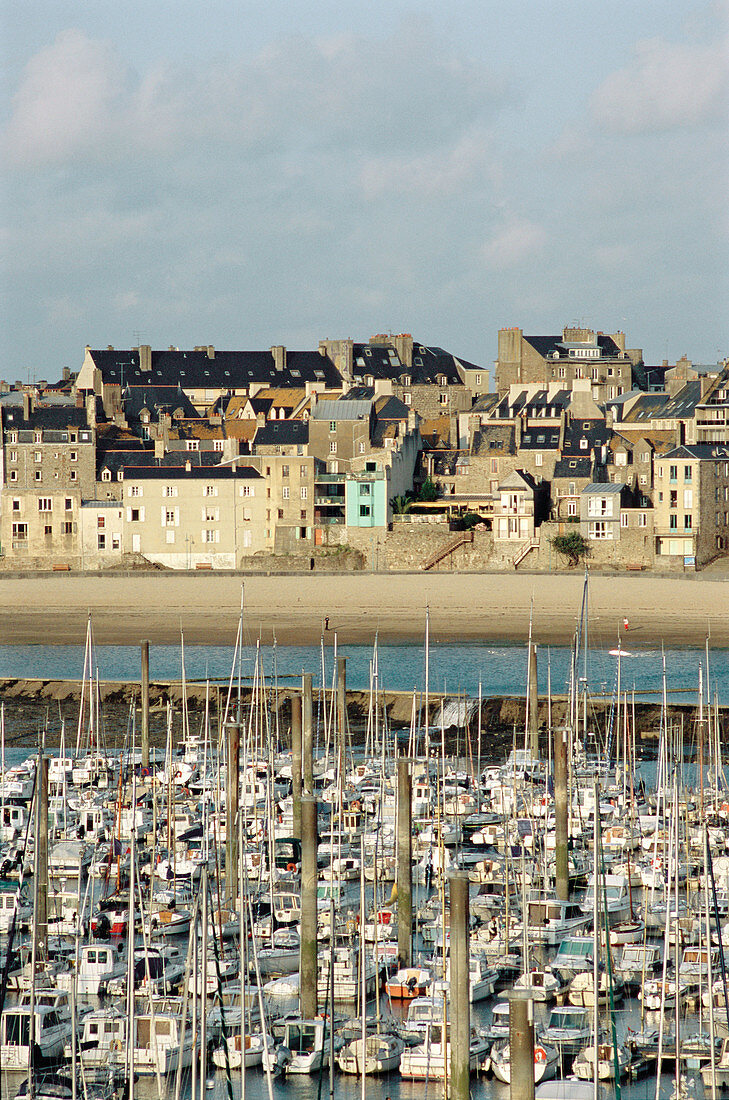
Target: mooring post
(41,861)
(231,813)
(533,705)
(308,957)
(521,1044)
(404,864)
(307,733)
(296,762)
(561,809)
(342,697)
(460,1023)
(145,704)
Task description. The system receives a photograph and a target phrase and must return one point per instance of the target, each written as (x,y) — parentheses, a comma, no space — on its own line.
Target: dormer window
(368,352)
(106,475)
(406,380)
(583,444)
(38,437)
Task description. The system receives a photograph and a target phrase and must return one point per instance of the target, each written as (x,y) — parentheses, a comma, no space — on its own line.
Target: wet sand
(463,607)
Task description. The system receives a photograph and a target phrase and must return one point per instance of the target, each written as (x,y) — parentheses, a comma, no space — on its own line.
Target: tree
(401,504)
(428,491)
(573,546)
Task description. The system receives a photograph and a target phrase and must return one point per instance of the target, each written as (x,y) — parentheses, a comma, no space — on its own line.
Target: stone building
(48,460)
(579,353)
(691,504)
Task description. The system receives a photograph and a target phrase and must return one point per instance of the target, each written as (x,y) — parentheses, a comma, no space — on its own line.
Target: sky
(245,175)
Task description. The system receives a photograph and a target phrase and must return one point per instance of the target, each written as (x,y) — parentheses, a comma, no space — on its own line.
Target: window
(73,456)
(644,479)
(48,530)
(16,505)
(304,492)
(687,522)
(135,490)
(583,444)
(623,519)
(280,513)
(673,473)
(571,507)
(218,444)
(362,448)
(688,499)
(209,535)
(67,528)
(12,456)
(673,501)
(364,510)
(285,492)
(407,398)
(621,458)
(38,475)
(600,530)
(444,397)
(303,471)
(599,506)
(688,472)
(38,456)
(247,538)
(210,491)
(13,437)
(72,476)
(332,425)
(100,522)
(247,491)
(101,542)
(20,532)
(45,504)
(673,522)
(642,519)
(572,488)
(333,447)
(365,490)
(284,471)
(478,379)
(168,517)
(192,445)
(169,491)
(134,515)
(303,514)
(538,459)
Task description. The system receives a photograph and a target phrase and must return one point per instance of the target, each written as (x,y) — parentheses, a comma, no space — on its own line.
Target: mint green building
(366,499)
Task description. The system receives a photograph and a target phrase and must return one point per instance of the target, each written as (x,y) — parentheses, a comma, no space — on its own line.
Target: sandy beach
(463,607)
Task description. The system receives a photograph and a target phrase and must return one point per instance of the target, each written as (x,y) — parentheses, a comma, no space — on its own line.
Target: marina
(273,884)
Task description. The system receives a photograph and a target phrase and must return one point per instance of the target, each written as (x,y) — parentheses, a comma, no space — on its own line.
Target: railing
(532,544)
(461,539)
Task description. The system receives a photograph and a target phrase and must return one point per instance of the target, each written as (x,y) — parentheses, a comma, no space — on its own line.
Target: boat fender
(115,1044)
(178,775)
(540,1054)
(290,866)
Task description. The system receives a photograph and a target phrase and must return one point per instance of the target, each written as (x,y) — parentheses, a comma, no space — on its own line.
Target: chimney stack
(145,357)
(279,357)
(27,404)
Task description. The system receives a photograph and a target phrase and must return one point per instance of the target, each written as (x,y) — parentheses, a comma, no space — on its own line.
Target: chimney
(260,420)
(27,405)
(279,357)
(517,432)
(145,357)
(211,351)
(159,448)
(79,399)
(609,417)
(188,465)
(562,429)
(66,374)
(91,410)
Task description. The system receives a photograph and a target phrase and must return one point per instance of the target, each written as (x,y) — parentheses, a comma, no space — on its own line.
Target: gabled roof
(713,452)
(156,399)
(225,370)
(546,346)
(342,410)
(518,479)
(603,488)
(573,468)
(282,433)
(227,471)
(45,417)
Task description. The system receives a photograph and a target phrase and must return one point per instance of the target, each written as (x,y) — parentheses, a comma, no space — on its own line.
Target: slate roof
(536,404)
(128,459)
(536,439)
(226,370)
(572,468)
(428,362)
(596,434)
(45,417)
(707,451)
(547,345)
(156,399)
(494,439)
(602,488)
(341,410)
(518,479)
(164,473)
(282,433)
